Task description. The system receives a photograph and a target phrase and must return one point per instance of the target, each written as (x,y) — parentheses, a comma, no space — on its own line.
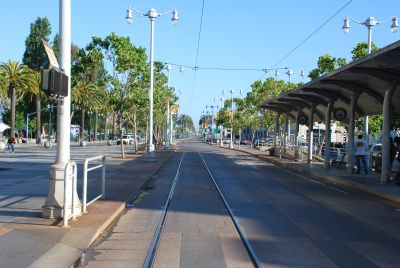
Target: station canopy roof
(371,76)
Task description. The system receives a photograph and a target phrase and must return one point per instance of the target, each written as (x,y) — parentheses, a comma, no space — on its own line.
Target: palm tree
(16,77)
(34,89)
(85,95)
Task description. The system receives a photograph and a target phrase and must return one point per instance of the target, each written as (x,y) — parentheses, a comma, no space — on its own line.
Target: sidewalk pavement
(27,240)
(369,184)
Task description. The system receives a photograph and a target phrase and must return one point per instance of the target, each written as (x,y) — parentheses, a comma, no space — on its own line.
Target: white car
(126,139)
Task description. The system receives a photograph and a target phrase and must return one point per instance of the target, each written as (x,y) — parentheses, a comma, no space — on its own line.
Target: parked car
(245,141)
(126,139)
(260,142)
(226,141)
(376,157)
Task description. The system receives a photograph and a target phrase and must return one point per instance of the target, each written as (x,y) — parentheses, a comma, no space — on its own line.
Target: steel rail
(238,227)
(148,262)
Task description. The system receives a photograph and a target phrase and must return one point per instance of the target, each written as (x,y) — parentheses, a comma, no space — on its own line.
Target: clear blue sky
(235,34)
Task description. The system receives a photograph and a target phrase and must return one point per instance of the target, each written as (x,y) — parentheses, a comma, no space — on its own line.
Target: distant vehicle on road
(126,139)
(376,157)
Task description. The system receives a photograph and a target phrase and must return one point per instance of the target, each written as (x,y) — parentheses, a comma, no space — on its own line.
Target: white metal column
(310,133)
(385,135)
(328,134)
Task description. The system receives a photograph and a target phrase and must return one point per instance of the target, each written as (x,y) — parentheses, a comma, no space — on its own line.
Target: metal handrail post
(103,178)
(65,217)
(74,186)
(84,185)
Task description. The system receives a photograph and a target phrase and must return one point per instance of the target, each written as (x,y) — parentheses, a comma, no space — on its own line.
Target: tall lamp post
(370,22)
(289,73)
(54,205)
(152,15)
(231,143)
(221,144)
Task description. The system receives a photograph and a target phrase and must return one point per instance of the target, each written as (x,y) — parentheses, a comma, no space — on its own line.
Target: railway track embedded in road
(152,252)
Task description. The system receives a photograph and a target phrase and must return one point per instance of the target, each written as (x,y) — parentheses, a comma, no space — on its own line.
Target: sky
(253,34)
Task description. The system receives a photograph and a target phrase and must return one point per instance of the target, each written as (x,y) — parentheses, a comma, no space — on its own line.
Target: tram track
(151,255)
(201,216)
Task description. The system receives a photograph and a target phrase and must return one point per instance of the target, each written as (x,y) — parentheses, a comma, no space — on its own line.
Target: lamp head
(346,25)
(129,16)
(276,73)
(175,18)
(169,67)
(181,70)
(395,25)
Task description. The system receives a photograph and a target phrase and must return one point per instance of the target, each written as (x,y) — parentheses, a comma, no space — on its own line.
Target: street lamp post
(231,143)
(289,73)
(222,126)
(54,206)
(370,22)
(152,15)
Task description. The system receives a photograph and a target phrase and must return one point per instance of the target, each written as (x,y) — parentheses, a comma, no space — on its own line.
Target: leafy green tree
(16,78)
(361,50)
(326,63)
(35,56)
(374,122)
(125,85)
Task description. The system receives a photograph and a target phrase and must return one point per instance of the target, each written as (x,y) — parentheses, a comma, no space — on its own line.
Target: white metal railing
(86,169)
(70,212)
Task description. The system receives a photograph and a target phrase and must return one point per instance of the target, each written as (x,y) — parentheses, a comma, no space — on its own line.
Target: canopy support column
(328,134)
(386,135)
(296,135)
(310,133)
(350,138)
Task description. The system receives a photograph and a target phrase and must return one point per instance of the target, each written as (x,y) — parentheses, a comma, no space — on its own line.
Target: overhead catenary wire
(196,68)
(309,36)
(197,56)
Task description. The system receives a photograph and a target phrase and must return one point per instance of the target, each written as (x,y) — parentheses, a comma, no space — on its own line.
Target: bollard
(48,144)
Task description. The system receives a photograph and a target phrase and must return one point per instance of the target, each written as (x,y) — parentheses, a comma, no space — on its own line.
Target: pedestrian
(395,158)
(361,152)
(10,144)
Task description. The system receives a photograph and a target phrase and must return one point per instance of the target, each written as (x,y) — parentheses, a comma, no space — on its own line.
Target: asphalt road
(289,219)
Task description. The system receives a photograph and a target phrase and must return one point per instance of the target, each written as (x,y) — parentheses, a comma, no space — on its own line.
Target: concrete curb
(394,199)
(336,181)
(83,232)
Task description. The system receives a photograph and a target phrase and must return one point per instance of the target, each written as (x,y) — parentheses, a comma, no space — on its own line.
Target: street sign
(50,54)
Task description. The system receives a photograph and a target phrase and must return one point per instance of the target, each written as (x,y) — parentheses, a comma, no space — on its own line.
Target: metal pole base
(151,154)
(54,204)
(167,145)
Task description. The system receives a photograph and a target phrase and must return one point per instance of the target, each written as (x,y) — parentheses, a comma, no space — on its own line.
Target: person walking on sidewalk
(10,144)
(361,151)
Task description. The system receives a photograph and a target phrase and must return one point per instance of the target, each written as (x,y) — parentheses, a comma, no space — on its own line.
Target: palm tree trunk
(95,125)
(82,123)
(13,104)
(38,118)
